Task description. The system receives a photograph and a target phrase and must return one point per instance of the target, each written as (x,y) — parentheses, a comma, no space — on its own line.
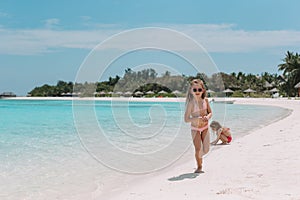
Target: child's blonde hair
(216,125)
(189,95)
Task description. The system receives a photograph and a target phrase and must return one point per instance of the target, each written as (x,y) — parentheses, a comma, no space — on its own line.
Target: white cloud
(214,37)
(51,23)
(29,42)
(224,38)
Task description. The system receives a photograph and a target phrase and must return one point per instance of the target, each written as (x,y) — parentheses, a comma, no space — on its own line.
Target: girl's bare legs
(201,144)
(224,139)
(205,142)
(197,144)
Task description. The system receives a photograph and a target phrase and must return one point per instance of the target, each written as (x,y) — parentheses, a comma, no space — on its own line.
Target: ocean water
(52,149)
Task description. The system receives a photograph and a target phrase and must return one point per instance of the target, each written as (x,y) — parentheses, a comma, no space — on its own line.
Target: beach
(107,100)
(261,165)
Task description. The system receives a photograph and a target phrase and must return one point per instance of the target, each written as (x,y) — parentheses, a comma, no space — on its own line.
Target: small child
(222,133)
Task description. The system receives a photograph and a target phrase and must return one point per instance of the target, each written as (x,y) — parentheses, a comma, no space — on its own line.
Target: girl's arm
(218,138)
(209,112)
(187,114)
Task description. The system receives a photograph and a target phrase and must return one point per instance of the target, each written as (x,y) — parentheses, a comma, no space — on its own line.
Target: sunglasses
(199,90)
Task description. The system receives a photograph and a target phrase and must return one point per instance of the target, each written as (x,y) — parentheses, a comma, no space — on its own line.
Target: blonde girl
(223,133)
(198,112)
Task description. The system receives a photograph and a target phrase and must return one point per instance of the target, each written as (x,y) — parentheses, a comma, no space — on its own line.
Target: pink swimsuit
(197,109)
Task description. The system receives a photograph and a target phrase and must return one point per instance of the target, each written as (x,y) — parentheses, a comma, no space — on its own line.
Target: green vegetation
(291,70)
(48,90)
(147,83)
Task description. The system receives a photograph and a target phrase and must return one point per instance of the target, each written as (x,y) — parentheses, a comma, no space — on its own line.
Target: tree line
(148,80)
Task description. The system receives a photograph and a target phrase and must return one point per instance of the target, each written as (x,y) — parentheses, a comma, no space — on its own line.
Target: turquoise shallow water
(42,156)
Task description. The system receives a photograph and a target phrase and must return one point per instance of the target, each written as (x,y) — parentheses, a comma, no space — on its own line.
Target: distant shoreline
(137,99)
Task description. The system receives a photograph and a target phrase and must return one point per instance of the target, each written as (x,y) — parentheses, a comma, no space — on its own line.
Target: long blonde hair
(216,125)
(189,96)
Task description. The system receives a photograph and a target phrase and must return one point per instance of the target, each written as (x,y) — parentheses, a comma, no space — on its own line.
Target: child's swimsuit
(197,109)
(229,138)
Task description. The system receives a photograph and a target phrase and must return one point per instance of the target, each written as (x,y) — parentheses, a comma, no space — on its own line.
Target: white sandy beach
(262,165)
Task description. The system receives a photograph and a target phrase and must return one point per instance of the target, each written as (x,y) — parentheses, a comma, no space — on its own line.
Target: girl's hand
(205,118)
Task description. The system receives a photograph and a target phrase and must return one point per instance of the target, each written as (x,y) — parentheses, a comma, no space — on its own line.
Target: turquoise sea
(59,149)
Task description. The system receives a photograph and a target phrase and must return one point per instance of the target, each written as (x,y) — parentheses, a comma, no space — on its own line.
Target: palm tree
(291,70)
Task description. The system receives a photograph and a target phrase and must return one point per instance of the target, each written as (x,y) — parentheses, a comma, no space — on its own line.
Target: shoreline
(155,99)
(236,171)
(133,99)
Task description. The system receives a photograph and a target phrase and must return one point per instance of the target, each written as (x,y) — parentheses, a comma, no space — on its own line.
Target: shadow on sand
(185,176)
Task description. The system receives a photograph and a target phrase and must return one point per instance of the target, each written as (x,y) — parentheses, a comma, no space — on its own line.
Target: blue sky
(46,41)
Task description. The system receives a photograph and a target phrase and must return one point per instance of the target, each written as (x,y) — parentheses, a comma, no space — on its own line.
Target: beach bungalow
(267,85)
(274,93)
(274,90)
(297,86)
(128,94)
(100,94)
(150,92)
(249,91)
(7,94)
(176,92)
(210,92)
(68,94)
(228,92)
(118,93)
(138,93)
(162,92)
(75,94)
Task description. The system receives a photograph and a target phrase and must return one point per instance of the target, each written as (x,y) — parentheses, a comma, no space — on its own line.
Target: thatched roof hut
(297,86)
